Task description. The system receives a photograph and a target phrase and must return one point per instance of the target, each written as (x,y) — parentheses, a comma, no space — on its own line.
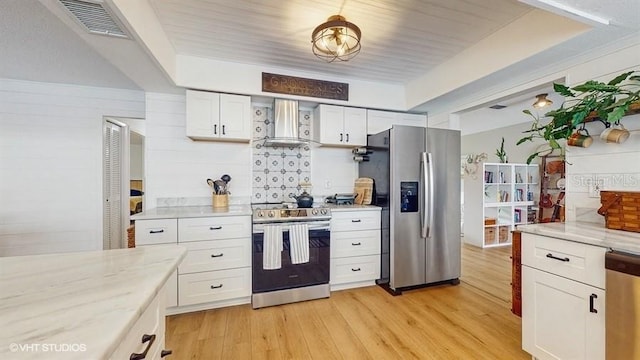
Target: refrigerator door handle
(431,195)
(425,199)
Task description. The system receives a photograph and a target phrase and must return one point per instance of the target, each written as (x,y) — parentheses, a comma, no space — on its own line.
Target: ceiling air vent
(497,107)
(95,17)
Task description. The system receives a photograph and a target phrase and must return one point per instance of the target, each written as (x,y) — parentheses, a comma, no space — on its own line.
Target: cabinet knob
(217,255)
(356,244)
(340,137)
(215,129)
(223,132)
(213,287)
(347,137)
(165,353)
(356,269)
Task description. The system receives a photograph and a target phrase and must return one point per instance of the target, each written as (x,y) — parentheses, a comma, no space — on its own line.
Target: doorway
(115,165)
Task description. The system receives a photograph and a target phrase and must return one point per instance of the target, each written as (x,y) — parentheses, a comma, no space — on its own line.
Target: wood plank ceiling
(401,39)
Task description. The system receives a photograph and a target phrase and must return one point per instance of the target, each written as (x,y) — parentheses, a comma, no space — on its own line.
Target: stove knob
(323,211)
(314,212)
(271,214)
(260,213)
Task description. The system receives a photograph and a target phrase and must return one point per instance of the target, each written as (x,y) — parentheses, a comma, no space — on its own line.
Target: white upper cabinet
(340,126)
(378,121)
(213,116)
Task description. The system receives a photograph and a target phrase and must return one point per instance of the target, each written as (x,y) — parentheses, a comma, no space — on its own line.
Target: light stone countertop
(90,299)
(587,233)
(338,208)
(177,212)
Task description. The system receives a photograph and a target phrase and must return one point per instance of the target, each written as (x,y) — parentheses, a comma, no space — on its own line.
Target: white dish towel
(299,240)
(272,247)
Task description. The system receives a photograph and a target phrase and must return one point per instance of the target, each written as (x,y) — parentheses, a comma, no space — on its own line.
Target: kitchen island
(80,305)
(567,302)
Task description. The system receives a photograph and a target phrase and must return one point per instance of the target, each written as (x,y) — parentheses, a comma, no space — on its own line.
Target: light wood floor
(468,321)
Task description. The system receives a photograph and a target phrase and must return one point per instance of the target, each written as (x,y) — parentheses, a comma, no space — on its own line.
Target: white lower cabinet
(355,248)
(210,286)
(147,334)
(160,232)
(562,318)
(217,268)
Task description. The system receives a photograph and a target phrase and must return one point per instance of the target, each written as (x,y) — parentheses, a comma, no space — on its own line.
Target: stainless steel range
(284,275)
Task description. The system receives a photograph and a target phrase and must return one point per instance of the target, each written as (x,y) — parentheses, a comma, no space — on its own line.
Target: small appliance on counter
(341,199)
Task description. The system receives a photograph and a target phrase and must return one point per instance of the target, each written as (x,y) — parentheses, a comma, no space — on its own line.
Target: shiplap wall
(178,167)
(51,164)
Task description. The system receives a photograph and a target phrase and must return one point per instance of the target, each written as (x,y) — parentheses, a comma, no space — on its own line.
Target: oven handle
(316,225)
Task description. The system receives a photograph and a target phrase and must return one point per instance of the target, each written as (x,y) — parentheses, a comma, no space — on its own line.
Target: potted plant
(592,100)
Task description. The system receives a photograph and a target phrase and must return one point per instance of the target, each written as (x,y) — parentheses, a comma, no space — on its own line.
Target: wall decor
(292,85)
(278,171)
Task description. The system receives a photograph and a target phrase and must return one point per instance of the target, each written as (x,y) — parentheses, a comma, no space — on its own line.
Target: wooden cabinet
(355,248)
(160,232)
(563,299)
(217,268)
(516,274)
(213,116)
(340,126)
(146,334)
(378,121)
(503,199)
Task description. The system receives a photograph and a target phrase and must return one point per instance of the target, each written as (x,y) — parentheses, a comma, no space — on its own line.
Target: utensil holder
(219,201)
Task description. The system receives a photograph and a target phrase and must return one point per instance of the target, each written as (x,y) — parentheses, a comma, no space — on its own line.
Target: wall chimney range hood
(286,124)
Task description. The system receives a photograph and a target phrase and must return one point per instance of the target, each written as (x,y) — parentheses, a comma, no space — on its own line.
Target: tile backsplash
(278,171)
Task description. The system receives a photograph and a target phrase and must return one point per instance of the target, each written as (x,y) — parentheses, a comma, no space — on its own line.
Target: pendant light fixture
(336,39)
(542,101)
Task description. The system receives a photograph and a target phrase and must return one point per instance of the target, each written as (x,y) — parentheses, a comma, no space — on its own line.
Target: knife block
(219,201)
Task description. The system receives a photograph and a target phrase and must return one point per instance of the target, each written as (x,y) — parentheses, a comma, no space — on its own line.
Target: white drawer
(355,243)
(151,322)
(353,269)
(160,231)
(580,262)
(355,220)
(211,286)
(214,228)
(216,255)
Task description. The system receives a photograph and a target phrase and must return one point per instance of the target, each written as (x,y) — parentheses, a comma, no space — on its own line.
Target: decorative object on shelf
(542,101)
(617,134)
(336,39)
(592,100)
(501,154)
(470,166)
(580,138)
(620,210)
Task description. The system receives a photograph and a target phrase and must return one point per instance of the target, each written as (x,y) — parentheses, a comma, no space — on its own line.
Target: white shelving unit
(507,194)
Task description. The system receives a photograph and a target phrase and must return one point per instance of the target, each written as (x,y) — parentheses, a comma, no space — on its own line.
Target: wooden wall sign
(292,85)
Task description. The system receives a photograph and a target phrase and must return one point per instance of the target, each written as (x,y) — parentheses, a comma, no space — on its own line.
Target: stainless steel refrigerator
(417,184)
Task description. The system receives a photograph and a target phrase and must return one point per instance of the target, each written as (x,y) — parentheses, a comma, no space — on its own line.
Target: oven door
(290,276)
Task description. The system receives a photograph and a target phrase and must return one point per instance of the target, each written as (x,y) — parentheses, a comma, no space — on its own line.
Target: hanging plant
(607,102)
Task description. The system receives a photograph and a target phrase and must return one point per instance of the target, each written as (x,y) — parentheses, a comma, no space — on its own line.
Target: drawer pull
(156,231)
(149,339)
(592,308)
(550,256)
(356,269)
(216,286)
(356,244)
(215,227)
(217,255)
(356,220)
(164,353)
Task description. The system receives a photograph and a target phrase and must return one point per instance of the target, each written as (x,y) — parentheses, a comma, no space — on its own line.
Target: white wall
(136,161)
(177,167)
(51,164)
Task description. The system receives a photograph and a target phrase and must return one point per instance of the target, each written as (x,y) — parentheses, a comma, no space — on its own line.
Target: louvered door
(112,190)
